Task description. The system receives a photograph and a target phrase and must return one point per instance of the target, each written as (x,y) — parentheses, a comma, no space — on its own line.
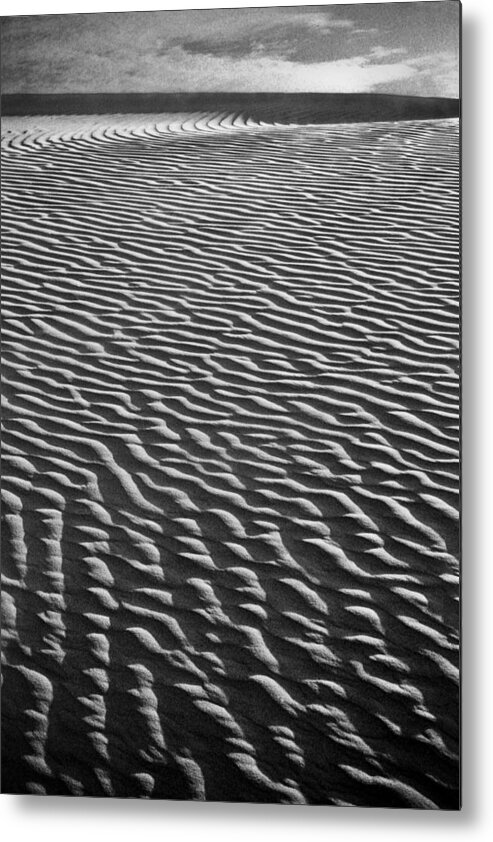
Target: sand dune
(295,108)
(230,492)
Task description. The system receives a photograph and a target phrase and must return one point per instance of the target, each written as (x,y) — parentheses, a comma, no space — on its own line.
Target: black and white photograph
(231,405)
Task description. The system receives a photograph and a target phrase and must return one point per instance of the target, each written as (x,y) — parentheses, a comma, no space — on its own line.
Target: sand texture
(230,481)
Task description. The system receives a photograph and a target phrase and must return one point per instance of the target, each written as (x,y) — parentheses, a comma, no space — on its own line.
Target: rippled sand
(231,459)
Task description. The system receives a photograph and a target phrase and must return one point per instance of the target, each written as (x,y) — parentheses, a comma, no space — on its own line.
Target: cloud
(360,31)
(288,33)
(270,49)
(437,73)
(184,71)
(385,52)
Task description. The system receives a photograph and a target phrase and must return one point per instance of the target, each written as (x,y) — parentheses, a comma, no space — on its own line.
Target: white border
(77,820)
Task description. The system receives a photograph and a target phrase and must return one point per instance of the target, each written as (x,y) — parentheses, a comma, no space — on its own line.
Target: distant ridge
(269,107)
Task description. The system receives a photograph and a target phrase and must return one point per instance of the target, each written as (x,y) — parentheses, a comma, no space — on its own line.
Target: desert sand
(230,482)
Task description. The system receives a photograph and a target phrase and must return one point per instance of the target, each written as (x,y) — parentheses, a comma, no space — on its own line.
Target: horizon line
(223,92)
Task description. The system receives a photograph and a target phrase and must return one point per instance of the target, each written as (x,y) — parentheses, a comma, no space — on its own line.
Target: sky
(403,48)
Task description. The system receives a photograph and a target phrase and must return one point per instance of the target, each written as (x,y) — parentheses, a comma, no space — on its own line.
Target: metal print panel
(230,357)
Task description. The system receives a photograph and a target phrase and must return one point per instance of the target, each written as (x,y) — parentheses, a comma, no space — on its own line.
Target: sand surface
(230,482)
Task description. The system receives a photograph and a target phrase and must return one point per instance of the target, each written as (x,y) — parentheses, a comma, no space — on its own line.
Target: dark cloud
(241,47)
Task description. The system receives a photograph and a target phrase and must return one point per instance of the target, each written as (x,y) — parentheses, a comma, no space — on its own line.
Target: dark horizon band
(297,107)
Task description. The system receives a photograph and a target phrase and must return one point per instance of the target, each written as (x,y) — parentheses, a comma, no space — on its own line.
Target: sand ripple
(230,491)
